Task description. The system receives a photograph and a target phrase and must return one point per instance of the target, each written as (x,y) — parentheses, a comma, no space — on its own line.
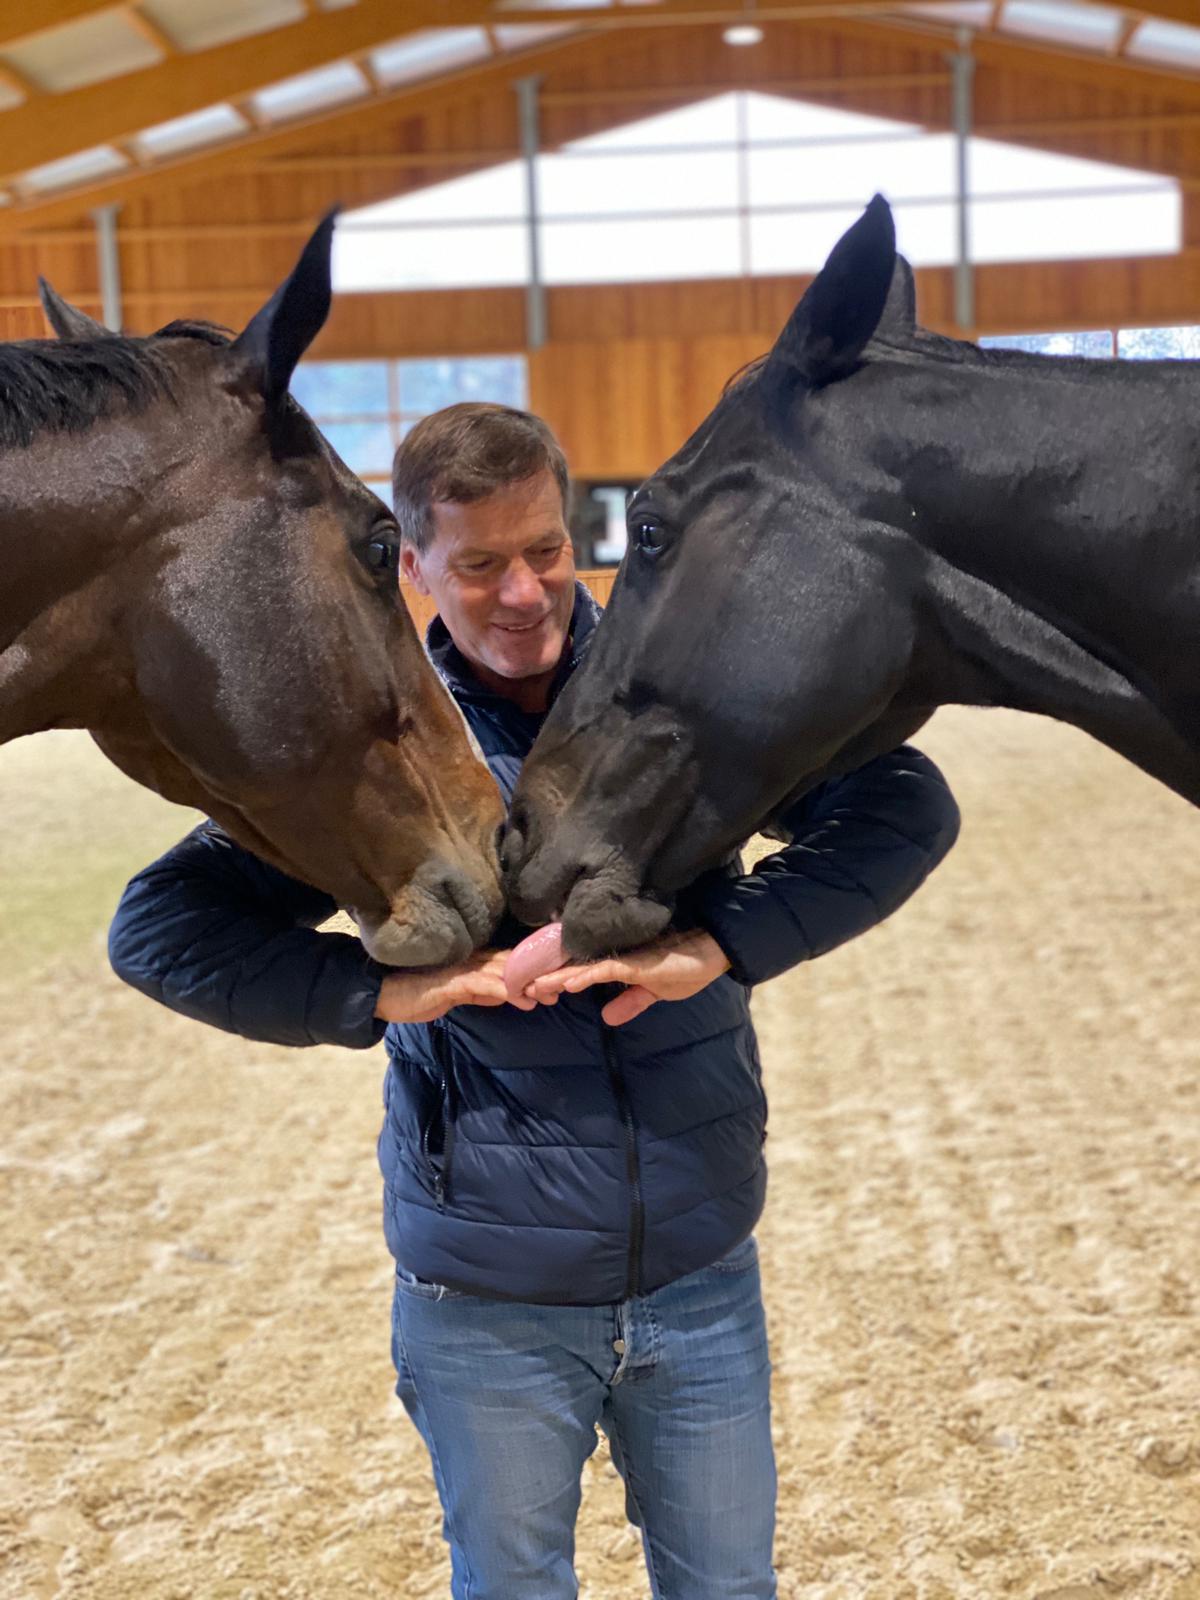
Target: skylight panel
(188,133)
(430,50)
(83,52)
(971,13)
(1094,27)
(1169,42)
(496,192)
(200,24)
(95,163)
(520,35)
(773,117)
(711,121)
(310,91)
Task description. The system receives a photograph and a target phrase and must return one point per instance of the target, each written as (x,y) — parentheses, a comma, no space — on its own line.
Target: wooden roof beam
(118,107)
(336,122)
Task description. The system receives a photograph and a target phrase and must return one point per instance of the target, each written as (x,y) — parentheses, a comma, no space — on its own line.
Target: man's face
(502,573)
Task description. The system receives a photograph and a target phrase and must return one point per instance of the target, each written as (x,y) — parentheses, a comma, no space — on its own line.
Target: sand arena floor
(980,1248)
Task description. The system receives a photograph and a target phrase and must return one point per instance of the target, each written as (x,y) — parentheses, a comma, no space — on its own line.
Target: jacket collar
(459,675)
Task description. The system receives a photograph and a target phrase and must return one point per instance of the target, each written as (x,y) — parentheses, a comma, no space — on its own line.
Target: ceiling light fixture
(747,32)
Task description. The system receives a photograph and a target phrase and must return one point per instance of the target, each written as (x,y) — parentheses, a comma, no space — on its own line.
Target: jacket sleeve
(861,844)
(216,934)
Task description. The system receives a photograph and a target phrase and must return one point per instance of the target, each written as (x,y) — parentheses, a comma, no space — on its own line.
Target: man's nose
(520,587)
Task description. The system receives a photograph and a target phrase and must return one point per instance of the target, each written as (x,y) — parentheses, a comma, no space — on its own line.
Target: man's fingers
(578,978)
(629,1004)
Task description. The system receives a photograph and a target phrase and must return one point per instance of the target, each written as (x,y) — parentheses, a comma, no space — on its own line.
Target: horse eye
(382,554)
(648,535)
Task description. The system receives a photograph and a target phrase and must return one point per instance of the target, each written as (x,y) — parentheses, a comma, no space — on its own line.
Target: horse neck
(73,509)
(1061,509)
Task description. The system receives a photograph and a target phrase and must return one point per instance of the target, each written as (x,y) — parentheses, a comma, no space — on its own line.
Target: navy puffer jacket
(543,1156)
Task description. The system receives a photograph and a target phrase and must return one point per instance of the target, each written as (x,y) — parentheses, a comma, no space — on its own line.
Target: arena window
(747,183)
(366,407)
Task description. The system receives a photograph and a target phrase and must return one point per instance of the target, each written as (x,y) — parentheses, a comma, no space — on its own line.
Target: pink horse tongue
(540,953)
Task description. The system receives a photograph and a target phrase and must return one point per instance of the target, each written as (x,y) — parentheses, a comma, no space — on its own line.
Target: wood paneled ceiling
(103,103)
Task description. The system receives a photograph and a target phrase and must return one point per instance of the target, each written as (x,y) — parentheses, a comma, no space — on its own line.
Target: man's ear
(410,567)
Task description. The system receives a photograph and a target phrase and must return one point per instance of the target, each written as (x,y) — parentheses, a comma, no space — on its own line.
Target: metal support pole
(962,67)
(535,293)
(109,257)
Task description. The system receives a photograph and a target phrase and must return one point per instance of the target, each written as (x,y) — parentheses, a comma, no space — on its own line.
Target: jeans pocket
(420,1288)
(740,1259)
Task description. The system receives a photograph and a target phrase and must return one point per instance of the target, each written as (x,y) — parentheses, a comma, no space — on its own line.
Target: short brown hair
(465,453)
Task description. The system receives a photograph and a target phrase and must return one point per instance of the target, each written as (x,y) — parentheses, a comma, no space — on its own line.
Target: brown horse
(192,574)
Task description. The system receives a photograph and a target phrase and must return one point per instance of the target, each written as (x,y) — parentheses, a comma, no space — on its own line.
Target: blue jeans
(508,1397)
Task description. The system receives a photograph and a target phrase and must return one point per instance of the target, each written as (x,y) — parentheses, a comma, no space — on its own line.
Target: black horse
(874,521)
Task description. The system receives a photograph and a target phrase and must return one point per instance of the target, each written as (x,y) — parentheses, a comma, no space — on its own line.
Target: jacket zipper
(633,1171)
(441,1174)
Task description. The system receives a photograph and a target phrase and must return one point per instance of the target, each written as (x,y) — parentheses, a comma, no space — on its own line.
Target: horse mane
(67,386)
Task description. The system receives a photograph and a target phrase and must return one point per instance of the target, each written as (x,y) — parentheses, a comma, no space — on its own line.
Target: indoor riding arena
(980,1251)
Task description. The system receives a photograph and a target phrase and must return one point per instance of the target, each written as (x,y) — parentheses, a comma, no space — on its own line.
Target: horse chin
(440,943)
(601,916)
(439,919)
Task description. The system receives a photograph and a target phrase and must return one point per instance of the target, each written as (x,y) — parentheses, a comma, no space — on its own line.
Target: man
(569,1203)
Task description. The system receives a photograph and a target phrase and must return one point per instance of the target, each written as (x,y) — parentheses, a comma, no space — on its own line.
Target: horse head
(758,635)
(233,633)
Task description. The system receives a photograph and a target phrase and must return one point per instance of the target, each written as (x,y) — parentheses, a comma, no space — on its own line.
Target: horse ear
(67,321)
(843,305)
(275,338)
(900,310)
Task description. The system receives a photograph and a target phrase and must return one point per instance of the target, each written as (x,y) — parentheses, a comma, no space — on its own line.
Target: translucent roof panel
(198,24)
(770,116)
(520,35)
(433,258)
(429,50)
(190,132)
(661,182)
(668,197)
(1094,27)
(496,192)
(1168,42)
(96,163)
(83,52)
(971,13)
(311,91)
(995,168)
(712,121)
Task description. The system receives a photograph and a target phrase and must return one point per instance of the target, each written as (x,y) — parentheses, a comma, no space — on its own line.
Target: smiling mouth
(518,627)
